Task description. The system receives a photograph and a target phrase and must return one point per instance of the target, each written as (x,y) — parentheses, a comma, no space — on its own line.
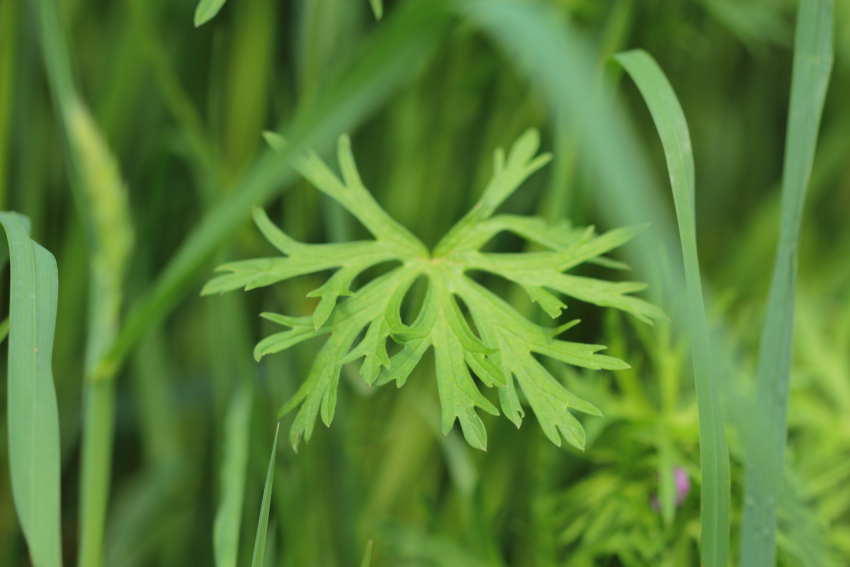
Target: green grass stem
(234,469)
(766,448)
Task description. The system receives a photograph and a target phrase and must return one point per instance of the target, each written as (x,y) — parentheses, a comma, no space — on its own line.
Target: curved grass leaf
(766,447)
(714,456)
(33,413)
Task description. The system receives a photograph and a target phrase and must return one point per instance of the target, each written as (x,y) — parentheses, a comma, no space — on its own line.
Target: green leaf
(263,524)
(813,56)
(33,414)
(714,456)
(234,468)
(392,56)
(505,344)
(206,10)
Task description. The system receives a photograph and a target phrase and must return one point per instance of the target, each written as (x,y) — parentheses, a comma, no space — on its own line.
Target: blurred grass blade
(228,519)
(4,330)
(714,456)
(206,10)
(377,8)
(392,58)
(263,525)
(95,178)
(111,239)
(562,65)
(367,557)
(766,447)
(33,413)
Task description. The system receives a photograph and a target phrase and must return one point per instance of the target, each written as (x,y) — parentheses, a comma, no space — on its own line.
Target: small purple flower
(683,487)
(683,484)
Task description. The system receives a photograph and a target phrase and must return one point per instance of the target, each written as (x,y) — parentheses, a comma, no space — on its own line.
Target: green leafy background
(427,93)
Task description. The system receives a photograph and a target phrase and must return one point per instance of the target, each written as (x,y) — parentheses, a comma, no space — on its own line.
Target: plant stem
(766,444)
(98,430)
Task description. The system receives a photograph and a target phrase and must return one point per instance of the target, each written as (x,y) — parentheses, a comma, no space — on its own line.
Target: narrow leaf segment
(502,351)
(206,10)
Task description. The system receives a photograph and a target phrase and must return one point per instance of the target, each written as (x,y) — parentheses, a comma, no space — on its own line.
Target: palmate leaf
(501,354)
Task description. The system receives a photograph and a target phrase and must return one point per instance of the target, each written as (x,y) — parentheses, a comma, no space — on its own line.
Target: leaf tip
(275,141)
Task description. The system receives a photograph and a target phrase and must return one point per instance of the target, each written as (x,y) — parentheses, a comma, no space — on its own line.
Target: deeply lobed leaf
(502,352)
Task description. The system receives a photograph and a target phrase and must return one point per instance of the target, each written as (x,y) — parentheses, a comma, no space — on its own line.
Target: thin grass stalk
(102,198)
(265,507)
(560,63)
(95,468)
(393,57)
(766,446)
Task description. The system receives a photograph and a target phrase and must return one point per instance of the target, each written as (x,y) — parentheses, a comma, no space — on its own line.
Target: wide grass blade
(33,413)
(228,519)
(263,524)
(714,456)
(766,446)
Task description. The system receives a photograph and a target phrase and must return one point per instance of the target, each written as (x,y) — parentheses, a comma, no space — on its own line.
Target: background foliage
(426,98)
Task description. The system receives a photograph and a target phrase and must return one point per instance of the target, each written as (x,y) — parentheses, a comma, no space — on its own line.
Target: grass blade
(95,178)
(95,468)
(714,456)
(562,66)
(367,557)
(206,10)
(766,447)
(393,58)
(263,525)
(234,468)
(33,413)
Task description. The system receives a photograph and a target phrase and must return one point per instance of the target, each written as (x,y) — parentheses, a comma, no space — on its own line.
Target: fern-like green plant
(504,347)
